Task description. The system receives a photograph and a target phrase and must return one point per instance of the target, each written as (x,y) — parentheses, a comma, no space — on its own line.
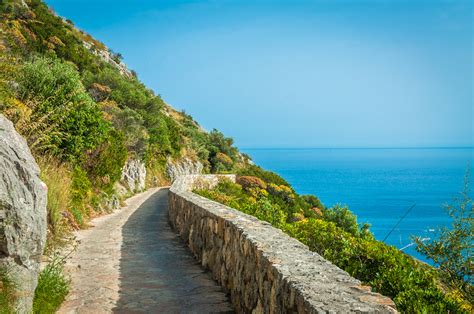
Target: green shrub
(413,286)
(81,195)
(124,91)
(64,119)
(267,176)
(46,25)
(131,124)
(451,248)
(343,218)
(52,288)
(104,164)
(313,201)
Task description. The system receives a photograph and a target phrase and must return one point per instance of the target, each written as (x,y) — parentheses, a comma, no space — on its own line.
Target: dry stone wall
(263,269)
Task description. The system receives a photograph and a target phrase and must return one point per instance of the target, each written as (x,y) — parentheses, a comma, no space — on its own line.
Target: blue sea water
(378,185)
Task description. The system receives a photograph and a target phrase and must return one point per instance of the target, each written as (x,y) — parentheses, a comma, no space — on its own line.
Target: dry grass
(58,178)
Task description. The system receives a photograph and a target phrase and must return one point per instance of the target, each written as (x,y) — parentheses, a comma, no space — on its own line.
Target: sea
(400,192)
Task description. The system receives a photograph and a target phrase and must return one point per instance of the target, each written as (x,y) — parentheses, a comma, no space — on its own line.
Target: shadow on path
(158,274)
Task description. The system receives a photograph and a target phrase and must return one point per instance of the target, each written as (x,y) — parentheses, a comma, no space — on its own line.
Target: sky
(320,73)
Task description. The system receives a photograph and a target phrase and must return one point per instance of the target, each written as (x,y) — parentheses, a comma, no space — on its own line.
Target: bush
(313,201)
(131,124)
(343,218)
(52,288)
(413,286)
(81,195)
(57,177)
(124,91)
(248,182)
(451,248)
(64,119)
(267,176)
(104,164)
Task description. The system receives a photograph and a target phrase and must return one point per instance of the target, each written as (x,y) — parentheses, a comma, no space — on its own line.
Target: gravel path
(132,262)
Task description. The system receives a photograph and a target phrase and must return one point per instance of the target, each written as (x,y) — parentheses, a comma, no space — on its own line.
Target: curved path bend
(132,262)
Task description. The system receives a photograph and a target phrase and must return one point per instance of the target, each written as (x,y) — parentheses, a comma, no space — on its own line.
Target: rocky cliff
(134,175)
(22,215)
(181,167)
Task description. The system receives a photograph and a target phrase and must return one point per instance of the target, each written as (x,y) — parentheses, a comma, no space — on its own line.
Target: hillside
(79,105)
(86,117)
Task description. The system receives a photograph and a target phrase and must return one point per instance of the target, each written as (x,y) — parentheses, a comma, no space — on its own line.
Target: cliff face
(181,167)
(134,175)
(22,215)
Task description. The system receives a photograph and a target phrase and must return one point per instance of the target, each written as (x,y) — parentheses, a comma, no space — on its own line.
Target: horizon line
(361,147)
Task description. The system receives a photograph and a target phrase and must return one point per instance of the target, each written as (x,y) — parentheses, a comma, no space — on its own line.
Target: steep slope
(79,105)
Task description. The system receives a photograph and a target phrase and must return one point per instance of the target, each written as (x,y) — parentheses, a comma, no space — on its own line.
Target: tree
(452,248)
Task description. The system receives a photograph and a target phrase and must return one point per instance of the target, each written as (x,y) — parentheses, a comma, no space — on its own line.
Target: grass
(52,289)
(58,178)
(7,292)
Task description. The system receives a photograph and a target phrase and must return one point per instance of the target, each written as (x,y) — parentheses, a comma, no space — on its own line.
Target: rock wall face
(22,214)
(263,269)
(181,167)
(134,175)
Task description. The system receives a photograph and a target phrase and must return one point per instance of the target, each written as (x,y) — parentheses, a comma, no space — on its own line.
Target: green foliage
(131,124)
(267,176)
(265,210)
(313,201)
(81,194)
(222,153)
(53,36)
(64,119)
(7,292)
(57,176)
(345,219)
(163,141)
(104,164)
(52,288)
(124,91)
(451,248)
(413,286)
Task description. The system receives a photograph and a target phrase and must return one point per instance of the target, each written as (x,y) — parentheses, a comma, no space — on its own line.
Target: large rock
(22,214)
(184,166)
(134,175)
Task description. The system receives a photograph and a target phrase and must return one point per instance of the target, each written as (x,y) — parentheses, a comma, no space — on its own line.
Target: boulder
(22,215)
(183,166)
(134,175)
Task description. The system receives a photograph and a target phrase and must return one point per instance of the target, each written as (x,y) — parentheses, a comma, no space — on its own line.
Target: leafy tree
(452,248)
(345,219)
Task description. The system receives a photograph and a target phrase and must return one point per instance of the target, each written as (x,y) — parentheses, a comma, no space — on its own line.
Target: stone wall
(263,269)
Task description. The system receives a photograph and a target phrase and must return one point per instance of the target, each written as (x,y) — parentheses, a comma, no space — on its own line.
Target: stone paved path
(132,262)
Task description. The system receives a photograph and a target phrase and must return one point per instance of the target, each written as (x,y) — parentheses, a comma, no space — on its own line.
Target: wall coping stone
(295,279)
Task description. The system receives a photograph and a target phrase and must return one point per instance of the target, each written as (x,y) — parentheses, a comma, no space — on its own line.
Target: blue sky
(315,73)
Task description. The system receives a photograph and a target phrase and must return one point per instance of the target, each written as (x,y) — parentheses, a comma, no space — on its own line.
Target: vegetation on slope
(84,115)
(335,234)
